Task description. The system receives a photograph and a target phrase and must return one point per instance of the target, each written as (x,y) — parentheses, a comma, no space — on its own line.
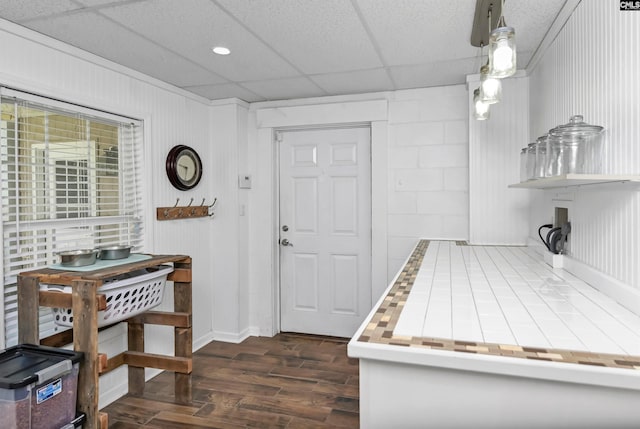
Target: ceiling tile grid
(317,36)
(283,49)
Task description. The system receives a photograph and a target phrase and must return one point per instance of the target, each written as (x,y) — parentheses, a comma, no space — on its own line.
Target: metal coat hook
(202,203)
(190,202)
(215,200)
(177,201)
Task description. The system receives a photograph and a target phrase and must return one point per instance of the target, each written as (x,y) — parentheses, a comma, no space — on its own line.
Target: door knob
(285,242)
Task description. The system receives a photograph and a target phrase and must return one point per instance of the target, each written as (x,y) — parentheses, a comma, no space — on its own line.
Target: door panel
(345,274)
(306,204)
(305,268)
(344,206)
(325,230)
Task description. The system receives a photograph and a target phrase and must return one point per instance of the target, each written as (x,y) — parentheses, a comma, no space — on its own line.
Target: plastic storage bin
(127,295)
(38,387)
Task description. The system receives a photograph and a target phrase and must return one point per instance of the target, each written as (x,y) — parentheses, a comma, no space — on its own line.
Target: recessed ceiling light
(221,50)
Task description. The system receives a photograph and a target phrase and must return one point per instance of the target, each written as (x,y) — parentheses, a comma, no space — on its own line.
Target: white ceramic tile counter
(497,334)
(508,295)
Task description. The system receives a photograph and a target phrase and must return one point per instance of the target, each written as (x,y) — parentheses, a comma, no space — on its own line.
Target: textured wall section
(428,191)
(592,69)
(499,215)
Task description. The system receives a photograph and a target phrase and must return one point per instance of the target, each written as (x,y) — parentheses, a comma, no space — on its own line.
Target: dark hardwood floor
(288,381)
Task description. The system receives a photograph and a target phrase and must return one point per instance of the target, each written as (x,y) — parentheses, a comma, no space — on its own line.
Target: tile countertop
(500,310)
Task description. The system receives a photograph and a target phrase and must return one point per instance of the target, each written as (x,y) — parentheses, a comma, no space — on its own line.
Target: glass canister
(580,145)
(565,156)
(541,158)
(523,165)
(531,160)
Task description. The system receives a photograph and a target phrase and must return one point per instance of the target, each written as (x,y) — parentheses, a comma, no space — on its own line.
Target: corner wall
(592,69)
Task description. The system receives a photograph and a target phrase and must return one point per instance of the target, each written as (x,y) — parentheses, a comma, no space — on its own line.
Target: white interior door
(325,230)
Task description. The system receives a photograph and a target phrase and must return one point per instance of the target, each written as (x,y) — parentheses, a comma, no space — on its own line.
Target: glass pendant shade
(502,51)
(490,87)
(480,109)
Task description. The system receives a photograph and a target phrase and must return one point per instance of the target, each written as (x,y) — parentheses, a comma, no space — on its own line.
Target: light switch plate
(244,181)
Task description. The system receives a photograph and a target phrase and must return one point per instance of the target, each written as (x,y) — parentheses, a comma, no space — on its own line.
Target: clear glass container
(523,165)
(531,160)
(565,156)
(540,169)
(580,145)
(490,87)
(480,109)
(502,51)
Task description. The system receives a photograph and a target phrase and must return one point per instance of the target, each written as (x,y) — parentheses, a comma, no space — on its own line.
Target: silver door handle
(285,242)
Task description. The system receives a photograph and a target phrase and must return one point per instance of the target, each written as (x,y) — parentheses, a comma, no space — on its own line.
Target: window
(70,179)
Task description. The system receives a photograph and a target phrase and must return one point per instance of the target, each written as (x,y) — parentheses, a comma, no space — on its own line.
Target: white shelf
(569,180)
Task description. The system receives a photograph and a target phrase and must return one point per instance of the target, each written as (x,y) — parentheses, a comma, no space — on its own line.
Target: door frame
(265,226)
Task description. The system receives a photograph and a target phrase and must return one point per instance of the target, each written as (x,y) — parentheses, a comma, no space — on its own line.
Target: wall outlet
(244,181)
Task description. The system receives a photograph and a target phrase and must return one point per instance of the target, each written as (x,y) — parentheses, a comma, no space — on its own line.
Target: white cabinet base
(396,395)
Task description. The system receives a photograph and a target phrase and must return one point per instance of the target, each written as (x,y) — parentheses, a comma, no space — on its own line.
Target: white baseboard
(203,341)
(235,337)
(113,394)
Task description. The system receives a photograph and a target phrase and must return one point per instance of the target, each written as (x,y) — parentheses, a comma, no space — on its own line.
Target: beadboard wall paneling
(498,214)
(36,63)
(592,69)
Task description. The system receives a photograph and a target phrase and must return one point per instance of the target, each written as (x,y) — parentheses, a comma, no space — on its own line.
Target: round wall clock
(184,167)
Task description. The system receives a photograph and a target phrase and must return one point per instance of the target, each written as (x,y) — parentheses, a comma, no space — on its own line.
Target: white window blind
(71,179)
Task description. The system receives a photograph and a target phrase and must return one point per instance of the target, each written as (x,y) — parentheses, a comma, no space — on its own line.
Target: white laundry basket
(127,295)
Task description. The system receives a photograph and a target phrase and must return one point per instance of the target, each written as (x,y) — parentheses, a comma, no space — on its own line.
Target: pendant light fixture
(502,49)
(490,87)
(480,109)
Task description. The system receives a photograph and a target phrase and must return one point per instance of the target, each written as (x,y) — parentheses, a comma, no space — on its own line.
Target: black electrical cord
(548,225)
(552,242)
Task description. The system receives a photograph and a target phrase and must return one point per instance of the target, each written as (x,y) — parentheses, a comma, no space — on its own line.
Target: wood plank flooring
(289,381)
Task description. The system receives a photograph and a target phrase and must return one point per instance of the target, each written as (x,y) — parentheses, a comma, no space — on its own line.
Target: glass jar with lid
(578,147)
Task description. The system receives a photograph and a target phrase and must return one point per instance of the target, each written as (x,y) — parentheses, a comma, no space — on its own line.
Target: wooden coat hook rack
(185,212)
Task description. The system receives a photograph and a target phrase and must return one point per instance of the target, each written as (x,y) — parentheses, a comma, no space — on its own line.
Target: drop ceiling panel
(316,36)
(229,90)
(434,74)
(283,89)
(194,30)
(420,31)
(99,35)
(20,10)
(355,82)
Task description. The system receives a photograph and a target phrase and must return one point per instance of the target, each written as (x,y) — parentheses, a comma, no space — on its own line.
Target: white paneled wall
(428,191)
(35,63)
(593,69)
(499,215)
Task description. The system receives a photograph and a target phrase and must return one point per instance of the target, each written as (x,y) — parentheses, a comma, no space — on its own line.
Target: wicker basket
(127,295)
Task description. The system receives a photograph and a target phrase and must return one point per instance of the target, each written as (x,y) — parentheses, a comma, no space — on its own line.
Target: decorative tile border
(381,326)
